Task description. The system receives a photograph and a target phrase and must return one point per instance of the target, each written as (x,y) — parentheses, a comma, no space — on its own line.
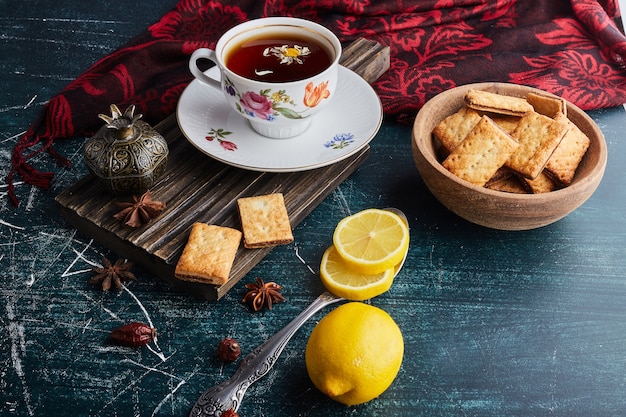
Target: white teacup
(279,97)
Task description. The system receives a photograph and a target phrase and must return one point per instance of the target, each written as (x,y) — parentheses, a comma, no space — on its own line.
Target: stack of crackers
(210,250)
(513,144)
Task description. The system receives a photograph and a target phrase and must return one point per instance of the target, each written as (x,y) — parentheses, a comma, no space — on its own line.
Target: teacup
(277,72)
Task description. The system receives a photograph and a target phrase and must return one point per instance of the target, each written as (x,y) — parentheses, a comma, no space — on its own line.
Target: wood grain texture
(367,58)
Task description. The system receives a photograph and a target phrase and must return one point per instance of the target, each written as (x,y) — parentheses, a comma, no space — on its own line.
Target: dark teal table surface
(495,323)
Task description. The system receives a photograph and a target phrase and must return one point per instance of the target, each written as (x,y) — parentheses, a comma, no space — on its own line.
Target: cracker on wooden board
(453,129)
(484,150)
(538,136)
(564,161)
(547,105)
(264,221)
(209,254)
(497,103)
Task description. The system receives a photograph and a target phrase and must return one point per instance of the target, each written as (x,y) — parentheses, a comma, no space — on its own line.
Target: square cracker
(542,184)
(507,123)
(264,221)
(547,105)
(497,103)
(209,254)
(538,136)
(485,149)
(453,129)
(500,175)
(564,161)
(510,184)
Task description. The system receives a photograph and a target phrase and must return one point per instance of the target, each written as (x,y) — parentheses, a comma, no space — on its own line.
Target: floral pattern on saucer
(345,127)
(340,141)
(220,135)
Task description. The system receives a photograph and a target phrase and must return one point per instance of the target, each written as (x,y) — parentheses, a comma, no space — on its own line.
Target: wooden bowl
(497,209)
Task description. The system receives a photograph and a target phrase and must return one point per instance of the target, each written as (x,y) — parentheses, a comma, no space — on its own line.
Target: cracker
(567,156)
(538,136)
(547,105)
(485,149)
(507,123)
(501,174)
(497,103)
(453,129)
(264,221)
(511,184)
(542,184)
(209,254)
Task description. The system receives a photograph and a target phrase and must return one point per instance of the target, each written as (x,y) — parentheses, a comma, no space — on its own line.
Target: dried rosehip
(228,350)
(229,413)
(133,334)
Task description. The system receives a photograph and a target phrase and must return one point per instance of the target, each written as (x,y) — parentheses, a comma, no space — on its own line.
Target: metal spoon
(229,394)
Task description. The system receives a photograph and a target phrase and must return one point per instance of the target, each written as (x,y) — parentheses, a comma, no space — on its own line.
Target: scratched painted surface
(495,323)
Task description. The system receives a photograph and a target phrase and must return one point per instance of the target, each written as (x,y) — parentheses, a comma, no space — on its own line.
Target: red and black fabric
(572,48)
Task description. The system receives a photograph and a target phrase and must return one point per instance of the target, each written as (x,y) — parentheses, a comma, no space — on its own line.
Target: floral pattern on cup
(314,94)
(340,141)
(220,135)
(268,105)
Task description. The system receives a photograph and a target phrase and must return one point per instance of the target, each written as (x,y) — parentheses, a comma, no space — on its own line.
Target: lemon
(344,282)
(354,353)
(371,241)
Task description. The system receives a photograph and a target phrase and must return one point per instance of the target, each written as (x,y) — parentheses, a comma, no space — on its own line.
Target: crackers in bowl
(529,138)
(511,199)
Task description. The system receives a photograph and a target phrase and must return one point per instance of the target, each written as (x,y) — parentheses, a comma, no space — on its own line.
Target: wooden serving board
(197,188)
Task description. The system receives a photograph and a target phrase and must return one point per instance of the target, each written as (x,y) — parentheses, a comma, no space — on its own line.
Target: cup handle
(203,53)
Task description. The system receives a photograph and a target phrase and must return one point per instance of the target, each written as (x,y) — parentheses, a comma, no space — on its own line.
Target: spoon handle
(255,365)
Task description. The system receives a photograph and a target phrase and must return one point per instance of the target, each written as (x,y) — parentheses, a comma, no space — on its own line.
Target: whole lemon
(354,353)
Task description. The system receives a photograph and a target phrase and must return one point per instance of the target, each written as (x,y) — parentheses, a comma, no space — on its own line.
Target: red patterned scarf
(572,48)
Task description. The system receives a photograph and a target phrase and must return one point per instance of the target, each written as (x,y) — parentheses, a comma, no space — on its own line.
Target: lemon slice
(371,241)
(344,282)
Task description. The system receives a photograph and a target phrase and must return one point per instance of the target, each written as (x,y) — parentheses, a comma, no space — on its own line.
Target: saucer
(347,124)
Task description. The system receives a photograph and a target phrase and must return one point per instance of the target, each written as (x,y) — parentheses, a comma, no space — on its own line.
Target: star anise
(140,211)
(262,294)
(112,274)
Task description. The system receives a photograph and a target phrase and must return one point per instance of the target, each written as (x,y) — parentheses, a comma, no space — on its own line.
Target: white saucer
(348,123)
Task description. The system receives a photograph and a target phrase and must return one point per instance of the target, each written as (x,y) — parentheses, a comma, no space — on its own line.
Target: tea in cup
(277,72)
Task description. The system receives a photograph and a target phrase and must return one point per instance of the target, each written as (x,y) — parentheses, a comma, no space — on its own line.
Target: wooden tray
(198,188)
